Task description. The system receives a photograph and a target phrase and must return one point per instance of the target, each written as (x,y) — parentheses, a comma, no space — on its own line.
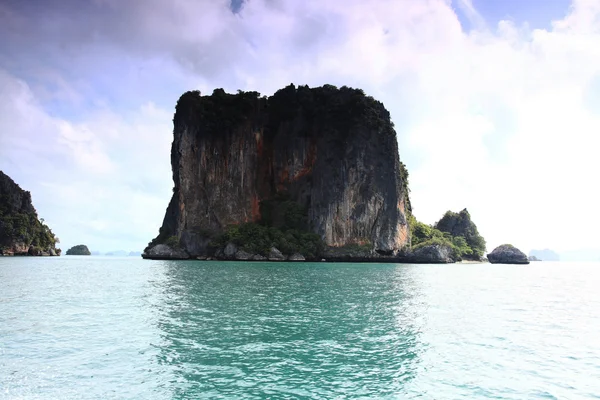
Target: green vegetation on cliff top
(19,223)
(326,105)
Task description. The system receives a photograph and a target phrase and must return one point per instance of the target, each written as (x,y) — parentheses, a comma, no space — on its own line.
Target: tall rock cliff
(332,151)
(21,232)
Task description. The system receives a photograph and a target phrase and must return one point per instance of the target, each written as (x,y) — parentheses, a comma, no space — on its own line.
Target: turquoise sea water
(125,328)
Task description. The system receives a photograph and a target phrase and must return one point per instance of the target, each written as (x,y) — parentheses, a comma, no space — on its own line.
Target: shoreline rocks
(432,254)
(275,255)
(164,252)
(21,250)
(296,257)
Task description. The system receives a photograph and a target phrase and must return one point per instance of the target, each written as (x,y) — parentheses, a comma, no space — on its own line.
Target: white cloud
(95,182)
(500,119)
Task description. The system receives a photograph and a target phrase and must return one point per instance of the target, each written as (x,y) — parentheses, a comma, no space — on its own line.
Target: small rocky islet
(79,250)
(507,254)
(305,174)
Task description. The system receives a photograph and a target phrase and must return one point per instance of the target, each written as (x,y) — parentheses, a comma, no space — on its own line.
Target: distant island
(116,253)
(544,255)
(21,232)
(305,174)
(79,250)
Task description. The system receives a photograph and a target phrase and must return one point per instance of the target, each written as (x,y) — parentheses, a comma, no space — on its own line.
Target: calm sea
(125,328)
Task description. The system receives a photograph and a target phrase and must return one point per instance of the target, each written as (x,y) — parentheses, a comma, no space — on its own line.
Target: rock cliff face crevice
(332,151)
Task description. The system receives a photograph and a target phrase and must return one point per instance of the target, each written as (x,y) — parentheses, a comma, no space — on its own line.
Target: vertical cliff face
(333,151)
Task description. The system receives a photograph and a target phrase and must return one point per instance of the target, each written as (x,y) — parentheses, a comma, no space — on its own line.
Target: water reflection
(306,330)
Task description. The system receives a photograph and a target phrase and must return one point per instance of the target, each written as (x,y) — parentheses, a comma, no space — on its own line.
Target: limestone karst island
(305,174)
(21,232)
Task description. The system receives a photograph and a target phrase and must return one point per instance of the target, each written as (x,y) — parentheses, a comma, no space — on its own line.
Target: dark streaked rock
(507,254)
(333,151)
(242,255)
(432,254)
(164,252)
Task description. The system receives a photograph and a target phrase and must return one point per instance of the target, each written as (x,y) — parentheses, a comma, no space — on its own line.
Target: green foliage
(284,225)
(162,237)
(172,241)
(404,179)
(28,229)
(283,213)
(425,235)
(329,106)
(18,219)
(216,114)
(435,240)
(258,239)
(419,232)
(460,224)
(461,246)
(340,109)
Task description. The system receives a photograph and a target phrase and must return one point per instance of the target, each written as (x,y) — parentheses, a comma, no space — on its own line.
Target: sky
(496,104)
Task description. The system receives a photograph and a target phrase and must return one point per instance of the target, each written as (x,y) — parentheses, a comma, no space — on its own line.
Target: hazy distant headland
(544,255)
(123,253)
(117,253)
(569,255)
(308,173)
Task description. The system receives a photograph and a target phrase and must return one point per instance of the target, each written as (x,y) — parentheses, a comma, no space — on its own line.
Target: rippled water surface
(125,328)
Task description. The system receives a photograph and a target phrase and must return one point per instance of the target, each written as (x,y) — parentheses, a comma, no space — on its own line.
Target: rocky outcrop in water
(165,252)
(79,250)
(21,232)
(331,151)
(507,254)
